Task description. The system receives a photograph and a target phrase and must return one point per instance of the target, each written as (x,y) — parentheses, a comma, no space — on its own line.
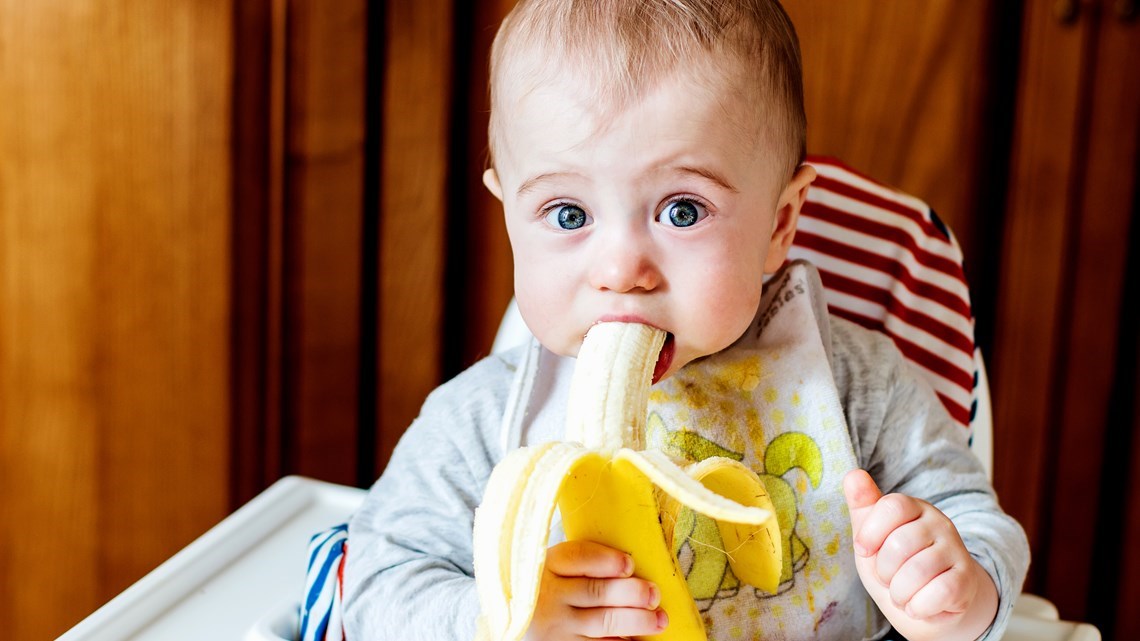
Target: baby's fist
(913,563)
(588,591)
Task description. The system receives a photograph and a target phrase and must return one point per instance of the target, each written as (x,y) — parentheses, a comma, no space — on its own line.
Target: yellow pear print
(696,538)
(786,452)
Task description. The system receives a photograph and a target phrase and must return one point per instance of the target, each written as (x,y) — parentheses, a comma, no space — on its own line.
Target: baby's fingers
(601,623)
(586,558)
(614,593)
(902,544)
(919,571)
(947,594)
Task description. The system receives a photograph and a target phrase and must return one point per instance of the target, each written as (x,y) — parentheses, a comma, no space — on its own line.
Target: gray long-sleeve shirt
(409,569)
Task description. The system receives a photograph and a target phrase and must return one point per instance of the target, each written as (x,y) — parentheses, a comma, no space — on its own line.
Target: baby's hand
(588,590)
(913,563)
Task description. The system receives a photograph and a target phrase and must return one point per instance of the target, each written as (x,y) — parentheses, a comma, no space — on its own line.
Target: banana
(610,490)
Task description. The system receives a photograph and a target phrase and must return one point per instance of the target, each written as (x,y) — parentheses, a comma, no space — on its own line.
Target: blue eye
(682,213)
(568,217)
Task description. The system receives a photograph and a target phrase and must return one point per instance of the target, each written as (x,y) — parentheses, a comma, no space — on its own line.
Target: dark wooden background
(244,238)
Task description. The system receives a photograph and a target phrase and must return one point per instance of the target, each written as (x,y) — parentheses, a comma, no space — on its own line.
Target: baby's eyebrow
(703,172)
(529,184)
(707,174)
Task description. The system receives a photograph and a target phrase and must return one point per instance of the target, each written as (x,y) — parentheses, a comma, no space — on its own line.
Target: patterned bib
(770,402)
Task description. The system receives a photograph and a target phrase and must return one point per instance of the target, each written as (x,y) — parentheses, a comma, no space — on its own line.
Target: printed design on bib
(769,401)
(696,538)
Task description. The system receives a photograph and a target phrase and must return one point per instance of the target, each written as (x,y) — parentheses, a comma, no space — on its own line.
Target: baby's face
(667,213)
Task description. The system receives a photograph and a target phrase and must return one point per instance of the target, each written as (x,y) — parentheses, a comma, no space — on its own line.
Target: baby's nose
(624,266)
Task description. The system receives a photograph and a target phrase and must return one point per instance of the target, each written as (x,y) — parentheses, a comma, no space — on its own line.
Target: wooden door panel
(1027,357)
(1088,426)
(1125,559)
(322,248)
(114,308)
(414,212)
(481,278)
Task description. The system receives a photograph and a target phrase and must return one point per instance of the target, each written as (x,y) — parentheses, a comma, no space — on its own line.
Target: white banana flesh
(611,491)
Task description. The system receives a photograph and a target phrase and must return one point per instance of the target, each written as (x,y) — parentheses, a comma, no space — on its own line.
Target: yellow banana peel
(612,491)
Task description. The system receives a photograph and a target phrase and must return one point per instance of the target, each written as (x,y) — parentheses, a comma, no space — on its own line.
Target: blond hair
(619,48)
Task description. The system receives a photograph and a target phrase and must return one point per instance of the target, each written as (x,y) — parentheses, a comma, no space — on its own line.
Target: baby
(648,155)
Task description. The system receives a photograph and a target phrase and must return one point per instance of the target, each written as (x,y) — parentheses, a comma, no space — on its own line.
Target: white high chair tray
(226,580)
(243,578)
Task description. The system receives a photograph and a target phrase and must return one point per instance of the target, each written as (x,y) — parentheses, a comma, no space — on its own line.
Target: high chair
(886,263)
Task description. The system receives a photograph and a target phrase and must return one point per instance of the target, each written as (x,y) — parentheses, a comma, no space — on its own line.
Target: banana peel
(612,491)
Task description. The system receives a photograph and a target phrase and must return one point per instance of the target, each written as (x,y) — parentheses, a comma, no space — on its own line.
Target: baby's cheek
(728,310)
(546,315)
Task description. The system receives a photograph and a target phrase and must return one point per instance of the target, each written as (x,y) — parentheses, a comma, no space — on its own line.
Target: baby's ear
(491,181)
(787,213)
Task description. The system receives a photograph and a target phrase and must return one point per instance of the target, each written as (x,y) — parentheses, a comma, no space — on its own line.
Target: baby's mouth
(664,359)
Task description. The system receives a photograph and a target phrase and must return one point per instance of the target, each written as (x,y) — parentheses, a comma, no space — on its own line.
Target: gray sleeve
(409,567)
(905,439)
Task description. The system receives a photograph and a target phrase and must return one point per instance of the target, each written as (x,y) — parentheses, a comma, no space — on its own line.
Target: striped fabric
(889,264)
(324,576)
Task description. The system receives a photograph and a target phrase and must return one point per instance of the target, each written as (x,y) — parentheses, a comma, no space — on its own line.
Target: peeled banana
(612,491)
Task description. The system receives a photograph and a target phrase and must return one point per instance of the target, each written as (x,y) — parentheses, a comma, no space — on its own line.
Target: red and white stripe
(886,265)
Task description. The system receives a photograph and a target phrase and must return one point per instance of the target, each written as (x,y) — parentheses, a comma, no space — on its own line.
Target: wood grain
(325,125)
(1126,624)
(258,163)
(1104,207)
(413,211)
(482,281)
(1027,358)
(114,296)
